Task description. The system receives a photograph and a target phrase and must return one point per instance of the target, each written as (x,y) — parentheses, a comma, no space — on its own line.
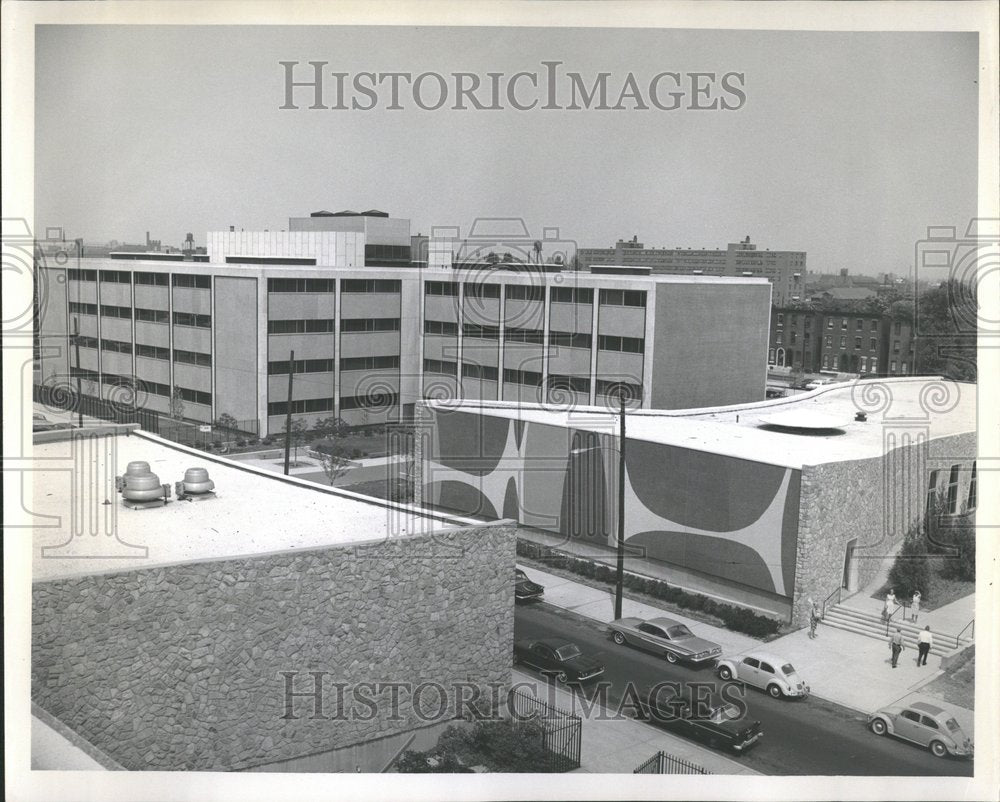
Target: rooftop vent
(196,486)
(141,488)
(805,422)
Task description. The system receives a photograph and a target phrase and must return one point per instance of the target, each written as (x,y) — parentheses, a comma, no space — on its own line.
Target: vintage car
(923,723)
(664,636)
(558,658)
(765,671)
(524,589)
(711,719)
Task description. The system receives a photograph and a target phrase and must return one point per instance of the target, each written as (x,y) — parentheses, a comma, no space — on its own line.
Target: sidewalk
(843,667)
(618,746)
(949,620)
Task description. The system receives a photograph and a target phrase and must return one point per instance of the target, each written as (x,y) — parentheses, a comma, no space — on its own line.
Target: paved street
(812,737)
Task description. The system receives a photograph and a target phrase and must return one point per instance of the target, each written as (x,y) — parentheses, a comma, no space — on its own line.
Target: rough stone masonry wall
(876,501)
(179,667)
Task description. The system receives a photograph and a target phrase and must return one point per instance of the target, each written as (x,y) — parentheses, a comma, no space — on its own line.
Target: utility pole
(620,570)
(288,410)
(79,388)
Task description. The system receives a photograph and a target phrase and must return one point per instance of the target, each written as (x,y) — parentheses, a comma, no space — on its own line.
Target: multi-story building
(847,341)
(219,336)
(785,270)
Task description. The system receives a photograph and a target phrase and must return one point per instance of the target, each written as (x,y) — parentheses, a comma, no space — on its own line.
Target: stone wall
(874,500)
(183,667)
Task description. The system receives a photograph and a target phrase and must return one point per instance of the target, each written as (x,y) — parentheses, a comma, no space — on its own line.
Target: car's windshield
(568,651)
(679,631)
(519,575)
(952,725)
(787,669)
(728,712)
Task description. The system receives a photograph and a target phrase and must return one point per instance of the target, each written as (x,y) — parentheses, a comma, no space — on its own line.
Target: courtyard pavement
(843,667)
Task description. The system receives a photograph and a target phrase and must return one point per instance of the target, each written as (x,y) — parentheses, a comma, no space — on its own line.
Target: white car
(765,671)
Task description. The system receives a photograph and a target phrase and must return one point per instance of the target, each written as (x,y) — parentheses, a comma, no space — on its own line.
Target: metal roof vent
(140,487)
(196,486)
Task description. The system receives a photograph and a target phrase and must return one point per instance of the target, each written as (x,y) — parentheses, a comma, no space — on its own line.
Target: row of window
(570,339)
(369,285)
(526,377)
(154,279)
(629,345)
(440,327)
(279,367)
(302,405)
(485,372)
(439,366)
(516,335)
(949,494)
(369,363)
(116,346)
(613,389)
(579,384)
(310,285)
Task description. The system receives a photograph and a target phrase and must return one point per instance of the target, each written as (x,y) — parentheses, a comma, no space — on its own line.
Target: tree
(946,318)
(176,404)
(330,427)
(226,421)
(911,570)
(295,435)
(335,461)
(960,562)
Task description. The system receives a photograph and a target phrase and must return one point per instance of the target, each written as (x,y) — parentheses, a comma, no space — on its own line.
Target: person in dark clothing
(896,645)
(924,642)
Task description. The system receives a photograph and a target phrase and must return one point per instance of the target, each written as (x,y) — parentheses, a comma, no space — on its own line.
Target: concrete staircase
(851,619)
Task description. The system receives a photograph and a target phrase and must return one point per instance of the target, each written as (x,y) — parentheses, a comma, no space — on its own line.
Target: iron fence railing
(65,398)
(663,763)
(562,731)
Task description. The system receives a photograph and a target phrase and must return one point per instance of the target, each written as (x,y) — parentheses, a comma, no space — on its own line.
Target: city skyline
(870,139)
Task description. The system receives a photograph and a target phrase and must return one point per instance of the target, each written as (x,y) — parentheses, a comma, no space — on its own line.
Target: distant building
(846,341)
(784,269)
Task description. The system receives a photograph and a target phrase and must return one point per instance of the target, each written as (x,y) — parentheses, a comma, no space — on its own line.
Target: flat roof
(88,530)
(946,408)
(289,269)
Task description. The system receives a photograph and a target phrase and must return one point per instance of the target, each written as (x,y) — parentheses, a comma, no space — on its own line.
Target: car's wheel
(775,691)
(939,749)
(878,726)
(725,673)
(671,657)
(618,638)
(562,678)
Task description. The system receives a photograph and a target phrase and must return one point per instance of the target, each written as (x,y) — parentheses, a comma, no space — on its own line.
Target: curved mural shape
(511,505)
(473,444)
(676,482)
(463,498)
(583,512)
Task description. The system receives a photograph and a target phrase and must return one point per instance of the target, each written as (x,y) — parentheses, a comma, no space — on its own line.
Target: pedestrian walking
(814,618)
(924,642)
(915,605)
(896,645)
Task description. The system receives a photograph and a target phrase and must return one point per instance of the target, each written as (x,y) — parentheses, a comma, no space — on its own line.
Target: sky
(848,145)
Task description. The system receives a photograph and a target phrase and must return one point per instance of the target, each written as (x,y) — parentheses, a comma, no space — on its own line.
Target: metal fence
(562,731)
(63,398)
(662,763)
(203,435)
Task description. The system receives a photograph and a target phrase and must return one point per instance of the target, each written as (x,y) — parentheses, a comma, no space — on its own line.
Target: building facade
(219,337)
(845,341)
(786,270)
(753,503)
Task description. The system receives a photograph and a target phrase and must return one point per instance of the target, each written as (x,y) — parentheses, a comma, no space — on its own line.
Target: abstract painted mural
(725,517)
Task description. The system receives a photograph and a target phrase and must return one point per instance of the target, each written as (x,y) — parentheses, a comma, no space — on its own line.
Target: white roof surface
(943,407)
(254,512)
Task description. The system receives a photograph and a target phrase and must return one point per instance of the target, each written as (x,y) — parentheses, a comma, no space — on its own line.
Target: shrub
(241,443)
(911,569)
(217,443)
(960,562)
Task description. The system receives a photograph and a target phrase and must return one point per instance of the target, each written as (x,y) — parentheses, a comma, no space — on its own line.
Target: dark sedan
(713,720)
(524,589)
(558,658)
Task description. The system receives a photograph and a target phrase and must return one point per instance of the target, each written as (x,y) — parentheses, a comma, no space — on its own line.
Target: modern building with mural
(769,505)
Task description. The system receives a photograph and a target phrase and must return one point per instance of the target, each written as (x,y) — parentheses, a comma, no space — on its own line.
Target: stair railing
(829,598)
(958,637)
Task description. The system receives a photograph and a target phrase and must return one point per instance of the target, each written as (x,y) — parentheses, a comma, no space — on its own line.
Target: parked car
(713,720)
(664,636)
(925,724)
(765,671)
(39,423)
(524,589)
(558,658)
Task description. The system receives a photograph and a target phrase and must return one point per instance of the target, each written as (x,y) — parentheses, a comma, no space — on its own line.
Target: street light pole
(79,389)
(620,570)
